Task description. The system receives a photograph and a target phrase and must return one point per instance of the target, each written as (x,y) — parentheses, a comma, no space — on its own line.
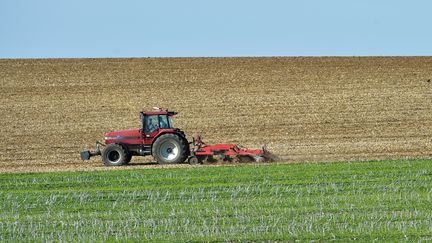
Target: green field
(384,200)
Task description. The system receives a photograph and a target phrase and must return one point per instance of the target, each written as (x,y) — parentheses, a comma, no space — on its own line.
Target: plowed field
(304,109)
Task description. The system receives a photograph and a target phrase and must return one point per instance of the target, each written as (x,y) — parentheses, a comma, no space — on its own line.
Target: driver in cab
(151,125)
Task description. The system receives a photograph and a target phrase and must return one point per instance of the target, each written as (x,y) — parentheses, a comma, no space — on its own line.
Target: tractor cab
(152,121)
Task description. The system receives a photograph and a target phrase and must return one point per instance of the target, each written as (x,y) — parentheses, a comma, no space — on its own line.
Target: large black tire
(170,149)
(114,155)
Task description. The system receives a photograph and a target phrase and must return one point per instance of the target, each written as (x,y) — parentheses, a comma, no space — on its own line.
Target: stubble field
(304,109)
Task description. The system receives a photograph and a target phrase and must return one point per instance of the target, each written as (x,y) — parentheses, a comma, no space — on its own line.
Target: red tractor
(168,145)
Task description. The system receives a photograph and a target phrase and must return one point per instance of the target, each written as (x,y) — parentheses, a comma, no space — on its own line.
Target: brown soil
(304,109)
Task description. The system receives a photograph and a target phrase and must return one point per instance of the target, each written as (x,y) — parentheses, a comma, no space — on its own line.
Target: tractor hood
(131,134)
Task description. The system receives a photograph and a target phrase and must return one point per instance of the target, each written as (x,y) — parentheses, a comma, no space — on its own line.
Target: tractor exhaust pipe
(87,154)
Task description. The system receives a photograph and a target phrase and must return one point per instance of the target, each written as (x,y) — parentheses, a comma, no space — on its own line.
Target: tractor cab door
(151,126)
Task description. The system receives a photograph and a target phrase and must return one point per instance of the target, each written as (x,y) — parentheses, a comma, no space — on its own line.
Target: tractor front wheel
(170,149)
(114,155)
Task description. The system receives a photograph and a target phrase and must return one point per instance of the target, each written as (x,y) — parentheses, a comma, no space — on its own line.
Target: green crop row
(383,200)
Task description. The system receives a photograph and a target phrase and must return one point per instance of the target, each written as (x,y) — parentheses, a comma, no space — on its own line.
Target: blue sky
(133,28)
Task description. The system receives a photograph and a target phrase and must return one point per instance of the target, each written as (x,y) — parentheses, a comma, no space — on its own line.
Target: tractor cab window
(170,120)
(151,123)
(155,122)
(163,122)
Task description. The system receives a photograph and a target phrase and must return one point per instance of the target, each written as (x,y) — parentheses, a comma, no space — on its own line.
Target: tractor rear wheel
(114,155)
(170,149)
